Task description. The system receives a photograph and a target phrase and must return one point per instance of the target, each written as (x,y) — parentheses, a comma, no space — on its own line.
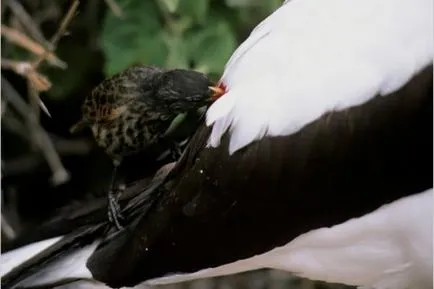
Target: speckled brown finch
(138,108)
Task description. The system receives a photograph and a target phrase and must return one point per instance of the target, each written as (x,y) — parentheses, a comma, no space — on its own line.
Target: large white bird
(317,160)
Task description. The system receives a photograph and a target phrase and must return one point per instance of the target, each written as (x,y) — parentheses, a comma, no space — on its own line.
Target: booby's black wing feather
(215,208)
(114,250)
(83,227)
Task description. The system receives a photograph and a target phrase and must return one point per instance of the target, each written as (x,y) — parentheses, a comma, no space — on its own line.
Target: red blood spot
(222,86)
(220,91)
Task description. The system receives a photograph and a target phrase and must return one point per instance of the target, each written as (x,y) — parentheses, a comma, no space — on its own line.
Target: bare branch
(115,8)
(29,24)
(60,31)
(37,80)
(14,124)
(29,162)
(7,229)
(25,69)
(60,175)
(65,22)
(20,39)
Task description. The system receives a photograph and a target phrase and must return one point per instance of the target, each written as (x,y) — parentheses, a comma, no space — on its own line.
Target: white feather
(10,260)
(72,265)
(390,248)
(313,56)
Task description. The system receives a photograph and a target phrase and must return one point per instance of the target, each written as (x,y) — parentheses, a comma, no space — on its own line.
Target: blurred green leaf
(178,54)
(212,46)
(171,5)
(196,9)
(196,35)
(135,38)
(242,3)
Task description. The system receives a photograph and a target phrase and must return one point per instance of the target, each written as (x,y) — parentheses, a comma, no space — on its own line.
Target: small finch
(138,108)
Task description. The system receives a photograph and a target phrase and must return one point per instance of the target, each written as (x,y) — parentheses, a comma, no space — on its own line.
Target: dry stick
(12,123)
(26,70)
(26,20)
(35,99)
(33,120)
(60,31)
(19,67)
(36,79)
(26,163)
(115,8)
(25,42)
(54,40)
(7,228)
(10,220)
(60,175)
(33,90)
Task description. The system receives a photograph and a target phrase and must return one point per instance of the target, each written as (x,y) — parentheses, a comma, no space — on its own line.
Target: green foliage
(196,34)
(196,9)
(210,47)
(135,38)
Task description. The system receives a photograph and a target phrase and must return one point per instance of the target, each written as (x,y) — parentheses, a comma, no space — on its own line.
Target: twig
(65,22)
(23,68)
(7,228)
(60,31)
(38,80)
(33,120)
(33,77)
(44,108)
(29,161)
(3,105)
(19,67)
(18,38)
(12,123)
(60,175)
(26,20)
(115,8)
(14,98)
(9,211)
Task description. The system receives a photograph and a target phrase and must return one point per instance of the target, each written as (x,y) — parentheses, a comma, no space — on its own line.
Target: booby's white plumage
(388,248)
(72,265)
(20,255)
(314,56)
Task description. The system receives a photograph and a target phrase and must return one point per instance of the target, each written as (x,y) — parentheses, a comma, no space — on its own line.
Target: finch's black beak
(80,125)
